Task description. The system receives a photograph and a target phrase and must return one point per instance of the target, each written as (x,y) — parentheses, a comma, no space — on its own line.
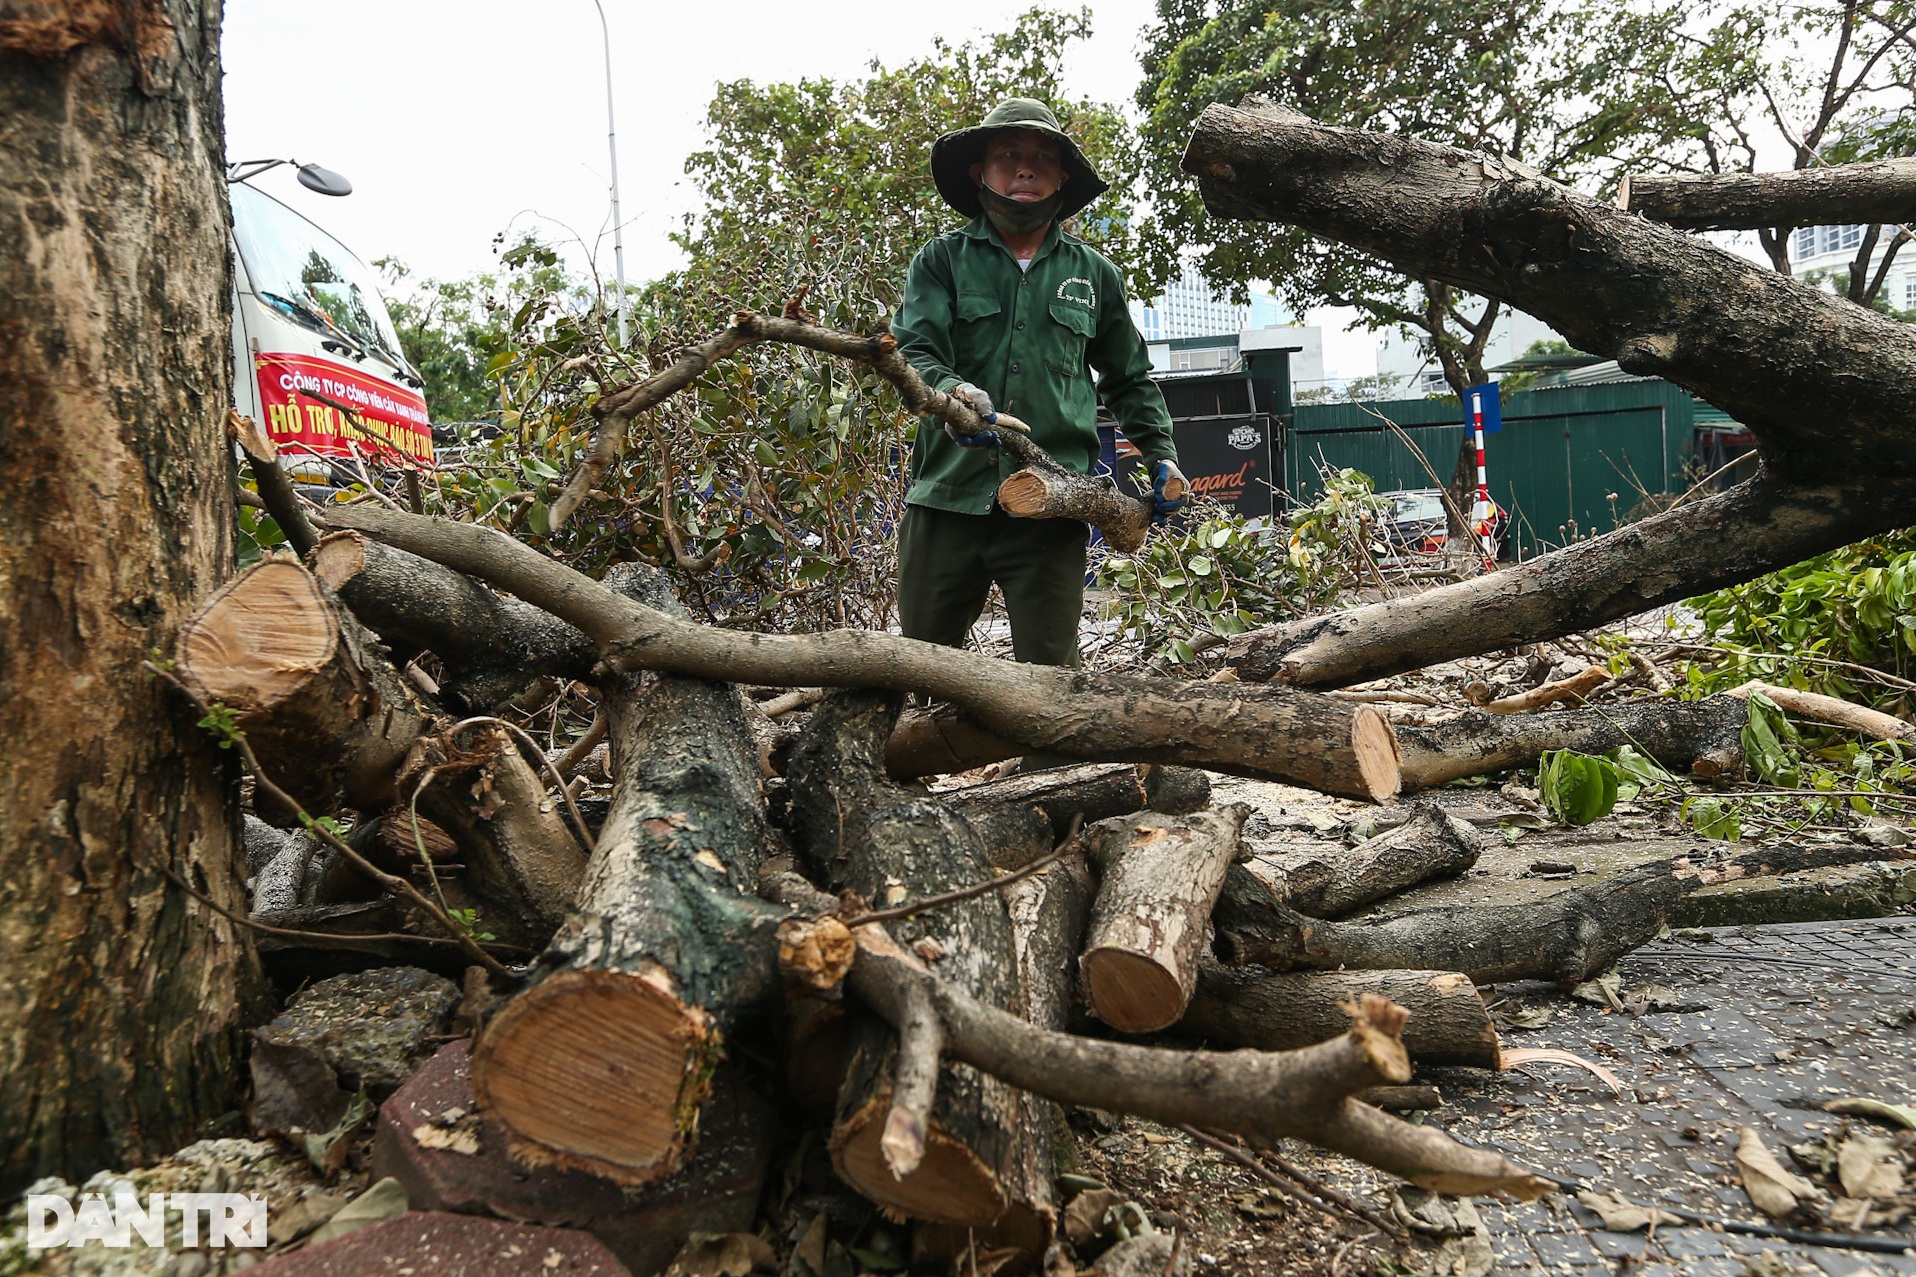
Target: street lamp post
(612,144)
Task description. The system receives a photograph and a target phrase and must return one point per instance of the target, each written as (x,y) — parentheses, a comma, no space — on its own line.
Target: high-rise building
(1829,250)
(1190,308)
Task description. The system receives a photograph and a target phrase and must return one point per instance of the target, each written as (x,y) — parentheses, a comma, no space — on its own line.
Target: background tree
(121,993)
(1583,92)
(773,493)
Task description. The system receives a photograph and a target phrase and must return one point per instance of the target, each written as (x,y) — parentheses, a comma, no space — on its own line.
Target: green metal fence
(1570,461)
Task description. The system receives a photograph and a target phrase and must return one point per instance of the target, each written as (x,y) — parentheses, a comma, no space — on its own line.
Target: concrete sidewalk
(1768,1024)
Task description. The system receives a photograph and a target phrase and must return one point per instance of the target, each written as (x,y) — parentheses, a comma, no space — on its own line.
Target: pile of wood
(939,971)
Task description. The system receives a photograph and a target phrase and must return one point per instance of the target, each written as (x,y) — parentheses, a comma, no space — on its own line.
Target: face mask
(1014,217)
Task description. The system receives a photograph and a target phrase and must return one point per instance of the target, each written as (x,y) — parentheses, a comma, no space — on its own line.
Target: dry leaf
(722,1255)
(1550,1055)
(1860,1106)
(1622,1216)
(811,1247)
(1869,1166)
(1774,1190)
(1085,1217)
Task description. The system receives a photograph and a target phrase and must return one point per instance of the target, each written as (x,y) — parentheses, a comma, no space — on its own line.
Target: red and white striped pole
(1481,513)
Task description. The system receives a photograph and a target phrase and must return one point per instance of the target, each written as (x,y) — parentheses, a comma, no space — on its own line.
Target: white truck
(316,358)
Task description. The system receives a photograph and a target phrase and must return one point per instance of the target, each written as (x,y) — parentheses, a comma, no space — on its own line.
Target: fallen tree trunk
(921,1138)
(491,646)
(1252,1006)
(1833,195)
(1094,499)
(1431,844)
(1566,937)
(1703,737)
(1664,304)
(1160,877)
(1087,793)
(1269,733)
(1047,912)
(601,1063)
(522,863)
(325,711)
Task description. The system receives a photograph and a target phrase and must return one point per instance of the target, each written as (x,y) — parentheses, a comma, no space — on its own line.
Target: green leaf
(1577,788)
(1712,818)
(1764,740)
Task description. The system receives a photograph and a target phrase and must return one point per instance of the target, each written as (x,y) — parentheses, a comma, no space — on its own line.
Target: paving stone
(1804,990)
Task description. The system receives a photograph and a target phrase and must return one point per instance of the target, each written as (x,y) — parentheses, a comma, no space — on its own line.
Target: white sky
(456,122)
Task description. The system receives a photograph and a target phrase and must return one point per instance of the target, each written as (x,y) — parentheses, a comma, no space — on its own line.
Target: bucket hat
(953,155)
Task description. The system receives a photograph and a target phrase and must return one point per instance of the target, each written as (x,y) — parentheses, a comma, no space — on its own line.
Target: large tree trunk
(1756,344)
(888,844)
(602,1063)
(121,994)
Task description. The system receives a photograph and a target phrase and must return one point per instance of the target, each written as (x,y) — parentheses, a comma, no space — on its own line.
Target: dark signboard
(1228,459)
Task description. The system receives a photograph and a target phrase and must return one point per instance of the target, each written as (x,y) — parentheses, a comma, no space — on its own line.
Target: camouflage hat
(953,155)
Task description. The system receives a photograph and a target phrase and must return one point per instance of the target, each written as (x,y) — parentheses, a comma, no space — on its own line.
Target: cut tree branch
(1070,495)
(1877,191)
(1303,1094)
(1265,732)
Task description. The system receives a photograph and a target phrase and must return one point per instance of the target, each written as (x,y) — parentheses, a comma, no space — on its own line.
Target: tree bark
(491,646)
(1837,195)
(1566,937)
(888,844)
(122,996)
(1663,303)
(1431,844)
(1704,737)
(328,716)
(1268,733)
(1160,876)
(602,1062)
(1085,794)
(1269,1010)
(523,864)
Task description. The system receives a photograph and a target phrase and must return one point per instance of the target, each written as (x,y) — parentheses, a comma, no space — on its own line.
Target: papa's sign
(315,406)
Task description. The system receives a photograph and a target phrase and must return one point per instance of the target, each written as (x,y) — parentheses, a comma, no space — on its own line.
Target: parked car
(1418,526)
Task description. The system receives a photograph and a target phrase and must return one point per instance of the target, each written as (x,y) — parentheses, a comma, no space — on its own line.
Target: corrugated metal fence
(1570,461)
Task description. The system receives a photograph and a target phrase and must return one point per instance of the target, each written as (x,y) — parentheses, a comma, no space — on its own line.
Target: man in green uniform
(1010,311)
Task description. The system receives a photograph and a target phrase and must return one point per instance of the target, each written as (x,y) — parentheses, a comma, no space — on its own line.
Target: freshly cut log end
(1064,494)
(270,633)
(1378,762)
(1133,992)
(950,1185)
(598,1071)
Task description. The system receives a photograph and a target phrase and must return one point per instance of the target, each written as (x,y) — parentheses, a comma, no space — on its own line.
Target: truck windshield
(310,277)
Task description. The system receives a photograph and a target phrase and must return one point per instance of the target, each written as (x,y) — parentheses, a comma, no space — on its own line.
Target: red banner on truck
(317,407)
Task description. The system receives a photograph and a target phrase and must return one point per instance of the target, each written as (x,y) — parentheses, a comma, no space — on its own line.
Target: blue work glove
(980,403)
(1165,476)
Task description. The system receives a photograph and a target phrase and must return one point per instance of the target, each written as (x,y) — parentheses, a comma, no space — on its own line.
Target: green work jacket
(1031,340)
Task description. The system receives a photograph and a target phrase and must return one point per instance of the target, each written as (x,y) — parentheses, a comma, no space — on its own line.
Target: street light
(612,144)
(311,176)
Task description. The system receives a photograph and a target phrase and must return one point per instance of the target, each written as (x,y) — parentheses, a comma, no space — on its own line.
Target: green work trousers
(947,563)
